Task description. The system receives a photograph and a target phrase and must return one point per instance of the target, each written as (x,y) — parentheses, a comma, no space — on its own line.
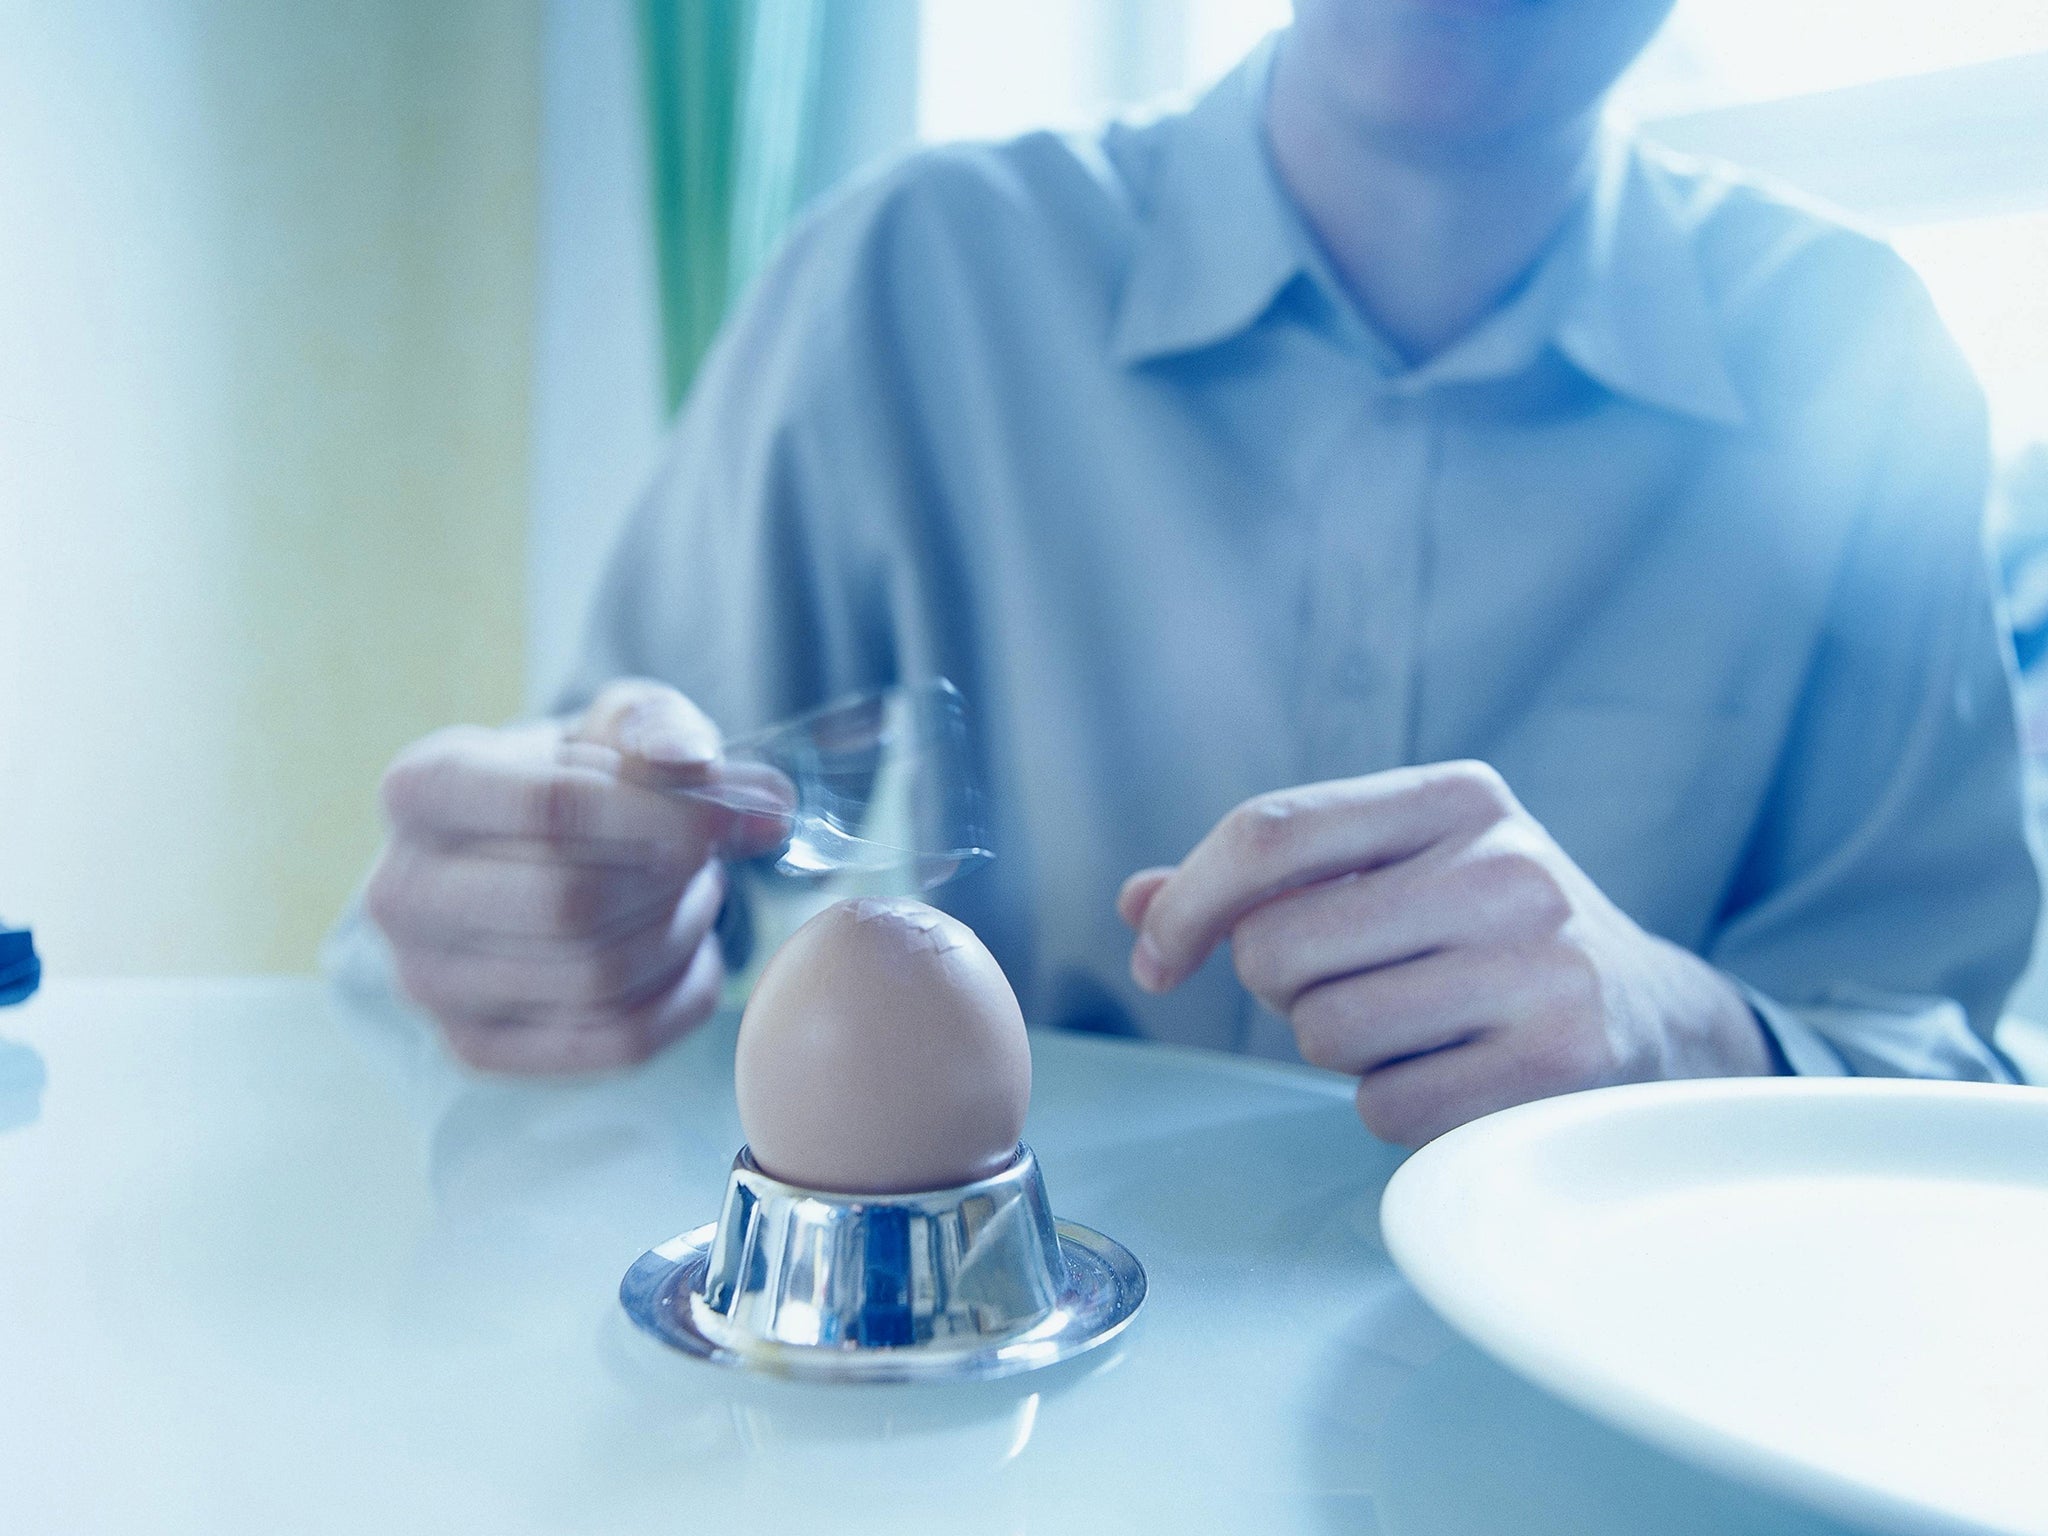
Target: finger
(1358,1024)
(758,800)
(1415,1100)
(1418,1098)
(617,974)
(572,1041)
(665,742)
(745,807)
(470,784)
(1490,893)
(1137,893)
(485,894)
(1299,836)
(664,737)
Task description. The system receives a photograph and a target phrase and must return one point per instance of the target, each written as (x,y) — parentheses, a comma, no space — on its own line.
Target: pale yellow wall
(266,280)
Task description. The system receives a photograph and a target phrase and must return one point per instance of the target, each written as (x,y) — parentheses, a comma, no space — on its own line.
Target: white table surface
(269,1264)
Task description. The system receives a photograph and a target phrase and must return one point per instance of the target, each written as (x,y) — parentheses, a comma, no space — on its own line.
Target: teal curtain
(732,92)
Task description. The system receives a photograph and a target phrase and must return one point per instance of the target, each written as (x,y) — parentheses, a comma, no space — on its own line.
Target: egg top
(882,1052)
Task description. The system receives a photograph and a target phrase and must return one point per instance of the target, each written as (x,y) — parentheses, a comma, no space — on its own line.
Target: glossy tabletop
(269,1263)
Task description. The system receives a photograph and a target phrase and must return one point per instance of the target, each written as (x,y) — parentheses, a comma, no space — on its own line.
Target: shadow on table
(1285,1194)
(21,1086)
(1467,1448)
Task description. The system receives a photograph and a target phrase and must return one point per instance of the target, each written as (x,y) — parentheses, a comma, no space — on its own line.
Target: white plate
(1836,1289)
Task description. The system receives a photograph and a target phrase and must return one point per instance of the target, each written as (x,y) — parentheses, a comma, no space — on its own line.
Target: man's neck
(1428,243)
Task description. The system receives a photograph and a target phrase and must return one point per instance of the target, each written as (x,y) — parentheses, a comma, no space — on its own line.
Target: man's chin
(1478,10)
(1438,126)
(1451,78)
(1447,90)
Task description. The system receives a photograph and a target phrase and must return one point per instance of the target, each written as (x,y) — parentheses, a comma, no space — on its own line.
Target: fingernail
(657,742)
(668,752)
(1147,969)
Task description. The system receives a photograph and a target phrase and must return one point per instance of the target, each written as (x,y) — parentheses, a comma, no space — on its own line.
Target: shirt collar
(1220,238)
(1618,293)
(1638,318)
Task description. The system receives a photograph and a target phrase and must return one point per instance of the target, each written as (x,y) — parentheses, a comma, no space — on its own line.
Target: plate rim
(1405,1215)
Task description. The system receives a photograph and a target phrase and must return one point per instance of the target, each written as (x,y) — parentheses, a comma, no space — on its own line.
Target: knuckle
(581,900)
(561,808)
(623,695)
(573,1033)
(405,791)
(1551,905)
(637,1037)
(1257,959)
(1388,1113)
(419,779)
(398,791)
(606,974)
(1474,790)
(1320,1030)
(1560,1056)
(1524,880)
(1513,869)
(1585,1059)
(1575,983)
(423,983)
(1265,826)
(572,984)
(612,1052)
(1543,896)
(600,719)
(616,696)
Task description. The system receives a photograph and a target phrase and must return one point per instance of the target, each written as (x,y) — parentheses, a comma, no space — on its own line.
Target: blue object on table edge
(20,971)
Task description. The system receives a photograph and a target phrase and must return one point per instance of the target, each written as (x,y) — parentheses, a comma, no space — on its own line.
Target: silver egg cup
(943,1285)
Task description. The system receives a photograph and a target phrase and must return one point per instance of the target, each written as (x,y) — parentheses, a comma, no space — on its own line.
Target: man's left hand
(1419,929)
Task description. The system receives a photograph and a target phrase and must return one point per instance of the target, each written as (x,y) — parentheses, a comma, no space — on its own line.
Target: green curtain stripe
(785,59)
(731,88)
(690,51)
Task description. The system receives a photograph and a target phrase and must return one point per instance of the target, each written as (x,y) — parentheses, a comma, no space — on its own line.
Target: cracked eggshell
(882,1052)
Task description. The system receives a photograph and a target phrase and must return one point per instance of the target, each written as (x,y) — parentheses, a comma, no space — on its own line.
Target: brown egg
(882,1052)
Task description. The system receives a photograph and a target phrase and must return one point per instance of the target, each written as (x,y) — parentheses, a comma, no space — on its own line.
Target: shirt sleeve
(1887,901)
(749,575)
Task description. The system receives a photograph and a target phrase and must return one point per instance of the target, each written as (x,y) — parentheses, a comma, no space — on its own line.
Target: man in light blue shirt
(1496,609)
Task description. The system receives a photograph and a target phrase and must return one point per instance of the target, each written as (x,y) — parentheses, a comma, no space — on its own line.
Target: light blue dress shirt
(1684,539)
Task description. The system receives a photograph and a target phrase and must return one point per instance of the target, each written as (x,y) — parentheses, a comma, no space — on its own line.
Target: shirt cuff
(1797,1048)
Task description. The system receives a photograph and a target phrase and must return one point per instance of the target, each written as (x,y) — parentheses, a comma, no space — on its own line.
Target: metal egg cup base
(713,1293)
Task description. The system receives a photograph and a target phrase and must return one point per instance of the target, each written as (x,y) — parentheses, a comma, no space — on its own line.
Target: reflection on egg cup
(941,1285)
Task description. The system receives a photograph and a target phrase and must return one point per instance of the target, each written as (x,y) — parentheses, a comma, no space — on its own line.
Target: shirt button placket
(1368,587)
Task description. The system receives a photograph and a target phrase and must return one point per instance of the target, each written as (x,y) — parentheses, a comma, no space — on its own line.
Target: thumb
(658,732)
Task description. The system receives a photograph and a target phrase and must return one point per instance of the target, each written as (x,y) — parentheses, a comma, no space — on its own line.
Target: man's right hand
(546,900)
